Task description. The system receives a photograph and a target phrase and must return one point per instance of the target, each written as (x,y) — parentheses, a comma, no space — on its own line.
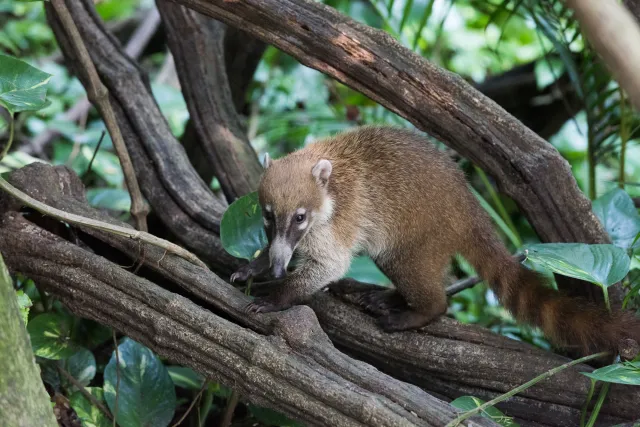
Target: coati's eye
(300,218)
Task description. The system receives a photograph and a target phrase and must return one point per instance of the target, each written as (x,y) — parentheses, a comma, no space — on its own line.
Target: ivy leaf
(81,366)
(24,303)
(89,414)
(185,377)
(468,403)
(603,265)
(620,373)
(620,217)
(241,230)
(22,87)
(50,335)
(147,396)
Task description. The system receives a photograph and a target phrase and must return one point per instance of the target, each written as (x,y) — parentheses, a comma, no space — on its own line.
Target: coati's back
(392,193)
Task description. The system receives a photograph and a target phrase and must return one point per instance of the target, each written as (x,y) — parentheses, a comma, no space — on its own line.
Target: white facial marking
(280,250)
(303,225)
(326,210)
(268,208)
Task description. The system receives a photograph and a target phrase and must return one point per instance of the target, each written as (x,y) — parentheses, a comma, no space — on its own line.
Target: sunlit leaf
(81,365)
(146,396)
(50,335)
(603,265)
(619,217)
(22,87)
(89,414)
(185,377)
(241,229)
(24,303)
(468,403)
(620,373)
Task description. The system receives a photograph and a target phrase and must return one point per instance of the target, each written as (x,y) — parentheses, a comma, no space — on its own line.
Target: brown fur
(406,204)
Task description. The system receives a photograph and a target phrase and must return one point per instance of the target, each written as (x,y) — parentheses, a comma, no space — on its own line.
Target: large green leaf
(50,335)
(89,414)
(81,366)
(147,396)
(24,303)
(241,229)
(603,265)
(621,373)
(468,403)
(619,217)
(270,417)
(22,87)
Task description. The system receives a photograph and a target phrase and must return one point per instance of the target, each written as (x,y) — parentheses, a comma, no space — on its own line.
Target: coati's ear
(321,171)
(267,161)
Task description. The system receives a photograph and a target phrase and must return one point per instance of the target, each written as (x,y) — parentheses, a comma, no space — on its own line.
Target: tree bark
(23,400)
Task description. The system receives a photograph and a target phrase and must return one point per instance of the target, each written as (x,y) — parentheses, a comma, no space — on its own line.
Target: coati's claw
(262,305)
(241,275)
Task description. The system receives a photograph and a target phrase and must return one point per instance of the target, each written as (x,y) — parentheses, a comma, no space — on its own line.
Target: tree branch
(99,95)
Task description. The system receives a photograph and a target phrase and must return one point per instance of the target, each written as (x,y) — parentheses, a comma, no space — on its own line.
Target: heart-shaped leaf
(50,335)
(89,414)
(620,217)
(620,373)
(603,265)
(147,396)
(468,403)
(241,229)
(22,87)
(81,366)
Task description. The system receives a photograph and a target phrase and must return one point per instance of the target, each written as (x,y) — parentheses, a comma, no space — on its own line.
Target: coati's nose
(279,271)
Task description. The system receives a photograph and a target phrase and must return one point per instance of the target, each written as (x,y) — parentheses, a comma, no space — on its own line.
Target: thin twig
(195,400)
(95,153)
(84,391)
(524,386)
(99,225)
(115,405)
(99,96)
(231,407)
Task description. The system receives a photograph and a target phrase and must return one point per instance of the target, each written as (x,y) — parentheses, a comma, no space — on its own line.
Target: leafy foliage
(620,373)
(88,413)
(22,87)
(619,217)
(241,230)
(51,336)
(468,403)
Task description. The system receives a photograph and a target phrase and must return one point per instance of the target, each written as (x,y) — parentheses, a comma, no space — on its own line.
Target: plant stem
(11,134)
(205,406)
(99,225)
(585,408)
(624,137)
(499,205)
(231,407)
(596,409)
(83,390)
(193,402)
(605,293)
(523,387)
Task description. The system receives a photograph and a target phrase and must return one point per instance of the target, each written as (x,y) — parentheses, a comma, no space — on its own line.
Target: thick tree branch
(446,358)
(197,46)
(524,166)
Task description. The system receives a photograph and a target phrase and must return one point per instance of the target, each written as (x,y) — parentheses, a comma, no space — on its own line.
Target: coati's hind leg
(418,276)
(375,299)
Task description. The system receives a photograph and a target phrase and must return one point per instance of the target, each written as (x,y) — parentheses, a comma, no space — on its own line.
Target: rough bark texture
(191,35)
(524,166)
(23,400)
(446,359)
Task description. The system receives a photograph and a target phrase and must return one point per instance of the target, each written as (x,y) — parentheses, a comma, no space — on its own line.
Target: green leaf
(603,265)
(468,403)
(365,270)
(270,417)
(22,87)
(185,377)
(619,217)
(24,303)
(620,373)
(50,335)
(116,199)
(81,366)
(89,414)
(241,229)
(146,396)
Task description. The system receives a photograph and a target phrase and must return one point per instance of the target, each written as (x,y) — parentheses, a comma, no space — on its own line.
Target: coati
(391,194)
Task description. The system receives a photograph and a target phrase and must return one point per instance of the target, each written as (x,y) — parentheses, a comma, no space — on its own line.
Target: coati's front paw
(264,305)
(381,301)
(243,274)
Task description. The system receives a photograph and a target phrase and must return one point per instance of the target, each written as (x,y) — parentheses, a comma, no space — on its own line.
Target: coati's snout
(293,198)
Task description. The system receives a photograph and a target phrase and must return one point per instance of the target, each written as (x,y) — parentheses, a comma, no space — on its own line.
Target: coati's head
(293,196)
